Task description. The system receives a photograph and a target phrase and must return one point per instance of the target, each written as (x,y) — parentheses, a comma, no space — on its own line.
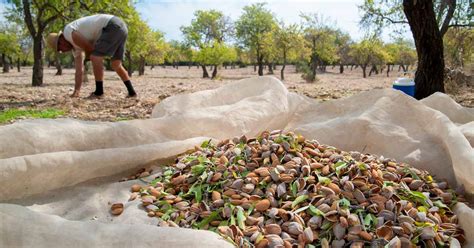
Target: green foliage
(289,42)
(206,27)
(382,13)
(254,28)
(9,42)
(12,114)
(369,51)
(215,54)
(459,47)
(176,52)
(207,33)
(320,41)
(400,52)
(343,42)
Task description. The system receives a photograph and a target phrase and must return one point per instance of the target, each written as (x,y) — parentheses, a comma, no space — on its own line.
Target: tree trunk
(282,71)
(214,72)
(270,68)
(254,67)
(371,70)
(141,67)
(18,64)
(11,63)
(37,77)
(388,70)
(57,63)
(260,66)
(341,68)
(364,67)
(6,66)
(129,67)
(352,67)
(204,72)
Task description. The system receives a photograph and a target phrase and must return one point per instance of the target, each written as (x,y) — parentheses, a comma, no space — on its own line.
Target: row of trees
(257,37)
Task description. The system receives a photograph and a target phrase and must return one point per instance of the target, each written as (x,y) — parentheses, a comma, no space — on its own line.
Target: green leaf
(298,200)
(440,204)
(412,173)
(327,225)
(344,203)
(206,144)
(168,173)
(251,208)
(203,176)
(188,159)
(198,169)
(362,166)
(388,183)
(294,188)
(324,180)
(314,211)
(370,221)
(241,218)
(197,191)
(339,166)
(301,209)
(214,215)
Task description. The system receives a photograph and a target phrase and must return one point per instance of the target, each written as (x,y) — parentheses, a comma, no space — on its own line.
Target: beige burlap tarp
(57,177)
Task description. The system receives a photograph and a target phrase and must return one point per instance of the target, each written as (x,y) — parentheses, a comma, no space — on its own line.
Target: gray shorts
(111,42)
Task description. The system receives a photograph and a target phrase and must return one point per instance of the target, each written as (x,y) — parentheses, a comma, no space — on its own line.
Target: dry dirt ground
(16,90)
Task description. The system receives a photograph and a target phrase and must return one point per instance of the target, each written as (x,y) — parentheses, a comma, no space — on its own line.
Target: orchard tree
(343,43)
(138,30)
(208,30)
(215,54)
(253,29)
(429,20)
(174,54)
(37,15)
(157,48)
(8,47)
(368,52)
(321,41)
(401,53)
(459,47)
(288,41)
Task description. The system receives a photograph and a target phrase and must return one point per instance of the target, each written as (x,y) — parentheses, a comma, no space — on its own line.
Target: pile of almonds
(281,190)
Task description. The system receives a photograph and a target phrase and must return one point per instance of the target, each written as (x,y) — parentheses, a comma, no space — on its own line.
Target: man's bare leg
(98,68)
(123,74)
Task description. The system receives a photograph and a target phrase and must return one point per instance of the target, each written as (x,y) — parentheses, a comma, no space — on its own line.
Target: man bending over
(97,36)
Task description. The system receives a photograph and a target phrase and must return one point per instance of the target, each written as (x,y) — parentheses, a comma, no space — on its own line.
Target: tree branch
(461,25)
(442,7)
(28,18)
(449,16)
(389,19)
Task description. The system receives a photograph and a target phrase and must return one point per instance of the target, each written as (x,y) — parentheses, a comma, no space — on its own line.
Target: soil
(157,84)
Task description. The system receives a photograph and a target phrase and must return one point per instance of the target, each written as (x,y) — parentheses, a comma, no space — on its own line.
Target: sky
(169,15)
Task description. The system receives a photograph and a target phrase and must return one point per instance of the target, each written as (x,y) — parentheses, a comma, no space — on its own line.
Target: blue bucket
(407,85)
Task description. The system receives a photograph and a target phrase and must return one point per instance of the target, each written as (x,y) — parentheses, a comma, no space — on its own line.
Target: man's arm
(82,42)
(78,63)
